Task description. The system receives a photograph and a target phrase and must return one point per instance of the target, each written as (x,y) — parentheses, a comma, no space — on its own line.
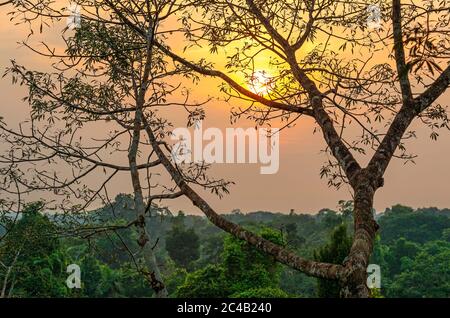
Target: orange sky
(297,184)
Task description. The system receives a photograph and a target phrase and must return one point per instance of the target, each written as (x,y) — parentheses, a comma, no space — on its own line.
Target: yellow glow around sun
(261,82)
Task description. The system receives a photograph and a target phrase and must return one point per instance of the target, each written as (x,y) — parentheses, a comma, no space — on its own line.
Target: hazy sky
(297,184)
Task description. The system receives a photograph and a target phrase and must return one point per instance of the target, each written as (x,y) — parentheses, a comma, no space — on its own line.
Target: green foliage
(412,250)
(182,244)
(243,268)
(211,249)
(329,218)
(294,282)
(101,280)
(176,278)
(334,252)
(410,268)
(207,282)
(96,278)
(415,226)
(33,252)
(33,235)
(446,235)
(376,293)
(426,275)
(400,249)
(247,267)
(293,239)
(267,292)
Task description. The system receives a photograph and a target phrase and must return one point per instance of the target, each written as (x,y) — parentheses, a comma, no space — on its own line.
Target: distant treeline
(200,260)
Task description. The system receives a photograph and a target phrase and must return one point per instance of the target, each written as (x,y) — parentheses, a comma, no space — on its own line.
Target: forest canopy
(413,252)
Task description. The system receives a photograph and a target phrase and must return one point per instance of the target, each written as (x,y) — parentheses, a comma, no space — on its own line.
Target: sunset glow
(261,82)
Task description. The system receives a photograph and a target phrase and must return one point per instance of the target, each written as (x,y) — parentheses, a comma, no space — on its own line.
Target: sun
(261,82)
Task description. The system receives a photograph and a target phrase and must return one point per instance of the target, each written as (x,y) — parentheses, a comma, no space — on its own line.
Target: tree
(208,282)
(182,244)
(106,75)
(446,234)
(293,238)
(400,249)
(246,267)
(420,273)
(334,252)
(100,280)
(416,226)
(32,261)
(336,89)
(327,98)
(331,89)
(243,272)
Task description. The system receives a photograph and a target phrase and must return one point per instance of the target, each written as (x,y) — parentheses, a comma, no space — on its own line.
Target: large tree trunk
(354,278)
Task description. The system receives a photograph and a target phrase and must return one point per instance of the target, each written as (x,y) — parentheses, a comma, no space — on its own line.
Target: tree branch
(312,268)
(399,51)
(433,92)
